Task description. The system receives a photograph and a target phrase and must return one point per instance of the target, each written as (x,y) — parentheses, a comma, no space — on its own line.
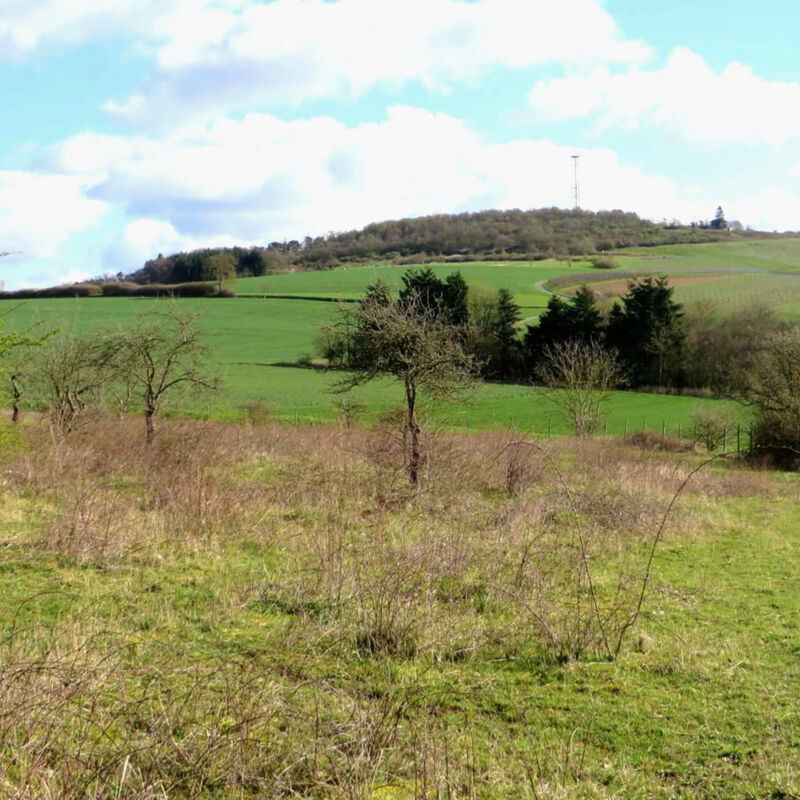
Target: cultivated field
(351,282)
(250,612)
(730,274)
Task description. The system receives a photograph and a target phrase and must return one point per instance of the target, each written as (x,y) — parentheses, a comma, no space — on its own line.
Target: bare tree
(772,389)
(12,343)
(712,425)
(412,343)
(72,372)
(580,377)
(161,352)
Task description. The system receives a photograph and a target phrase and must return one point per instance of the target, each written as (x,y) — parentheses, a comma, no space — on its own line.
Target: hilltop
(480,236)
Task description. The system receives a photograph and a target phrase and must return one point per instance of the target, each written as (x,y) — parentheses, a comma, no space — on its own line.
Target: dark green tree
(719,223)
(584,318)
(423,289)
(455,298)
(445,298)
(578,320)
(646,329)
(504,364)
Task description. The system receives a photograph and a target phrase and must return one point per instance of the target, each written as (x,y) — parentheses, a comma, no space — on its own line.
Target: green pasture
(352,281)
(256,338)
(750,255)
(753,272)
(254,343)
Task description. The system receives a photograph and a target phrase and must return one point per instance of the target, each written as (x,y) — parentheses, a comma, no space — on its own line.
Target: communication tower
(576,188)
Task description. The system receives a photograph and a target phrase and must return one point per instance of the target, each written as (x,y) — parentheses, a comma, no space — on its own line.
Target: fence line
(733,438)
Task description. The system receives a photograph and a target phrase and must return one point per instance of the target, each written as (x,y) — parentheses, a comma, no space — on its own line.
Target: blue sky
(134,127)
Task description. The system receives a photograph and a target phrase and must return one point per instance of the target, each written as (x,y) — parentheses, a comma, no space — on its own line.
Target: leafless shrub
(652,440)
(580,377)
(522,467)
(357,602)
(713,427)
(93,523)
(258,413)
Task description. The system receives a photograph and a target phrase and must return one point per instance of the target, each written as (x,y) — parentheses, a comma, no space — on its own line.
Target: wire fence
(724,438)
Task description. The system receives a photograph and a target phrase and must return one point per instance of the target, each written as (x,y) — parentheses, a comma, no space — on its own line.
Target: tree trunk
(415,453)
(149,425)
(15,396)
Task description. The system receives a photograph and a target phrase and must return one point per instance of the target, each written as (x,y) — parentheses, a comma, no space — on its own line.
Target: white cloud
(260,178)
(221,56)
(773,208)
(39,212)
(26,25)
(794,172)
(72,275)
(686,97)
(145,238)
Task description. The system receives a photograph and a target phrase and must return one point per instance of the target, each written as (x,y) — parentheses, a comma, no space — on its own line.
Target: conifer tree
(506,357)
(646,329)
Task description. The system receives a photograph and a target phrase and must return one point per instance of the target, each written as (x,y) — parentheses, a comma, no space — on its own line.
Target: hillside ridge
(475,236)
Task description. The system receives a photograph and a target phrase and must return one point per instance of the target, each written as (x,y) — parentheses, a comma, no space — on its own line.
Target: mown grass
(272,612)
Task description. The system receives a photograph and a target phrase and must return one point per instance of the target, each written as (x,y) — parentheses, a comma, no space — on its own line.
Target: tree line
(129,369)
(656,341)
(438,335)
(487,235)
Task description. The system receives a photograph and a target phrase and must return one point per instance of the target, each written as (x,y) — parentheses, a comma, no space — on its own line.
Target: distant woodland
(484,235)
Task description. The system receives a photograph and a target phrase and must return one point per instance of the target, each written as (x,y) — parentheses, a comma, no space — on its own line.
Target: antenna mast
(576,190)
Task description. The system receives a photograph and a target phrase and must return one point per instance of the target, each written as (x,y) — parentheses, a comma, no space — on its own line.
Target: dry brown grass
(505,545)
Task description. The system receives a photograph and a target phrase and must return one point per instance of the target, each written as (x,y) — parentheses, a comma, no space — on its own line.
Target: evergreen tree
(446,298)
(455,298)
(504,364)
(584,318)
(551,328)
(647,331)
(719,223)
(423,289)
(576,320)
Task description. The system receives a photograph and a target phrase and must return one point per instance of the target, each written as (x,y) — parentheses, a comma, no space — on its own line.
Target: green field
(764,272)
(254,343)
(256,338)
(351,282)
(752,255)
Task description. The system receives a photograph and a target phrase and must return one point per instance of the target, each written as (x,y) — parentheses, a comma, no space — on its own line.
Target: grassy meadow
(243,611)
(255,342)
(256,338)
(248,612)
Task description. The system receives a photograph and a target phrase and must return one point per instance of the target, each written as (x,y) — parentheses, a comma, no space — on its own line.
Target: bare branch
(580,376)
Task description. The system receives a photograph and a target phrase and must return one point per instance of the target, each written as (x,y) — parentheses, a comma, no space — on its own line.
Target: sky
(137,127)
